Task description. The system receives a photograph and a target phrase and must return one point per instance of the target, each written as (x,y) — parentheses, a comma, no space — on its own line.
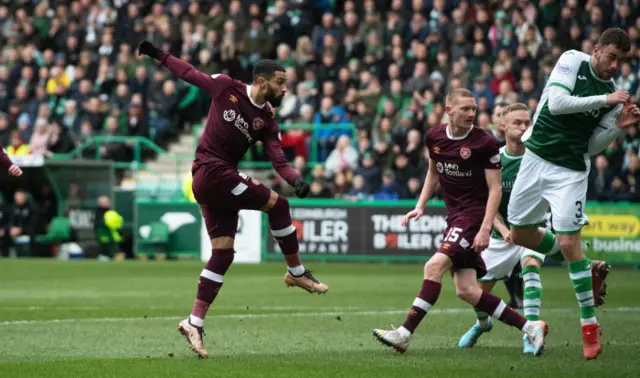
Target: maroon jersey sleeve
(214,84)
(273,149)
(491,154)
(5,161)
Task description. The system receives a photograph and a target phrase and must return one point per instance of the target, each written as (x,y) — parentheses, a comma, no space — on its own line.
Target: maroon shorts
(457,241)
(221,193)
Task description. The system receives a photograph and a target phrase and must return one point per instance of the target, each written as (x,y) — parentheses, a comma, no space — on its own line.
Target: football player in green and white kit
(502,255)
(580,106)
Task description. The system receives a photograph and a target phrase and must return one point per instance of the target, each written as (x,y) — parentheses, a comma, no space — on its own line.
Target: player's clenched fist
(629,116)
(413,214)
(147,48)
(481,241)
(301,188)
(617,97)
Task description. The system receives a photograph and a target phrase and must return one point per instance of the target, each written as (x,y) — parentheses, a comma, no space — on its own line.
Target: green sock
(549,247)
(483,318)
(580,275)
(532,292)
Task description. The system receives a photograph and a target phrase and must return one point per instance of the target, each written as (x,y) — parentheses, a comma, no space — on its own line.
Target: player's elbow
(554,107)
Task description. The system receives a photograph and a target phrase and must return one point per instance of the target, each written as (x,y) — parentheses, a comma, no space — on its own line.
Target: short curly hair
(617,37)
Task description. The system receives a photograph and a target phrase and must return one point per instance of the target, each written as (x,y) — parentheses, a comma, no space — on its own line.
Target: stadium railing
(138,145)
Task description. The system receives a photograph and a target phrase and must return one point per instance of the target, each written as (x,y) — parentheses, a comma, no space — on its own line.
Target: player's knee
(569,244)
(280,218)
(434,270)
(281,205)
(274,200)
(222,242)
(467,292)
(531,261)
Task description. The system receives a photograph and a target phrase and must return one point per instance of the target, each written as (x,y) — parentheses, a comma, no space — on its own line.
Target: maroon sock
(284,232)
(210,283)
(289,246)
(427,297)
(496,307)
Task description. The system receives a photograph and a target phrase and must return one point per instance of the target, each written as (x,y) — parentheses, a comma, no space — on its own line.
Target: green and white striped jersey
(510,168)
(563,139)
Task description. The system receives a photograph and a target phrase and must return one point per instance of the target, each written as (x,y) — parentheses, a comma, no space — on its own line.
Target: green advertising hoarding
(613,233)
(371,231)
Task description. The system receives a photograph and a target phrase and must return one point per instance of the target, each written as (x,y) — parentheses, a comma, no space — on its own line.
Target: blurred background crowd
(68,71)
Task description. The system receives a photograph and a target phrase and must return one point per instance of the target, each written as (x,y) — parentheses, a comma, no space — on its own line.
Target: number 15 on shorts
(453,235)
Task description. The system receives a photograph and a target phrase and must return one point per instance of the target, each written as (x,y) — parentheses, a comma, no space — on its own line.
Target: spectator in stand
(385,67)
(343,158)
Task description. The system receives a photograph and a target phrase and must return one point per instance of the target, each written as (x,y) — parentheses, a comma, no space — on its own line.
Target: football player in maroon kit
(465,161)
(240,115)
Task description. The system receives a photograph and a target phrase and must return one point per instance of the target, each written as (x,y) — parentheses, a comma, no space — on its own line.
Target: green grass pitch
(89,319)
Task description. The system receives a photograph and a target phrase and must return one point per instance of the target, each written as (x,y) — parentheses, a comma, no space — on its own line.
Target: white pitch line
(282,315)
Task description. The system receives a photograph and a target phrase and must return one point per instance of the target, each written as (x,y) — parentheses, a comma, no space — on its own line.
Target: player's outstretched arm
(562,102)
(273,149)
(178,67)
(612,126)
(427,190)
(562,81)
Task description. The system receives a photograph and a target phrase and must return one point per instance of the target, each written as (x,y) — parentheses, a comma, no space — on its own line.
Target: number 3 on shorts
(453,234)
(579,214)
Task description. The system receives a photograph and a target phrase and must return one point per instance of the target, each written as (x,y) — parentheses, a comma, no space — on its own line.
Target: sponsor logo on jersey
(495,159)
(446,246)
(258,123)
(451,169)
(240,123)
(233,99)
(229,115)
(580,77)
(564,69)
(465,153)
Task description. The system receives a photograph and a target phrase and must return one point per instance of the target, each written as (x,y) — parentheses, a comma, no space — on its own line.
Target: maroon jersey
(461,162)
(234,122)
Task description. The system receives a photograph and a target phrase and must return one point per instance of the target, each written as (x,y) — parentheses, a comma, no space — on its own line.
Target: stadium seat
(157,242)
(59,232)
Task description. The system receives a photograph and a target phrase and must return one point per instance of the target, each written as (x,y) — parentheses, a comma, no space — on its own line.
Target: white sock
(528,327)
(483,323)
(196,321)
(403,332)
(296,270)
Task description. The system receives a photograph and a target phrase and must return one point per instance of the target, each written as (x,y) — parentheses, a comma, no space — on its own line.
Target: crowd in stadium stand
(68,71)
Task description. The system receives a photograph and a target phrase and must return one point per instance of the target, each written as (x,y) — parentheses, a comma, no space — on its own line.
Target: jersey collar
(458,137)
(251,99)
(594,74)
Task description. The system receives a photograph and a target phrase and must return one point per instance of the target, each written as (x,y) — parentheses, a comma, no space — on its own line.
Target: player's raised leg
(483,324)
(284,232)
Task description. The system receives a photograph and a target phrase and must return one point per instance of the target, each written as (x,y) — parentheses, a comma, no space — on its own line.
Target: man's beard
(275,101)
